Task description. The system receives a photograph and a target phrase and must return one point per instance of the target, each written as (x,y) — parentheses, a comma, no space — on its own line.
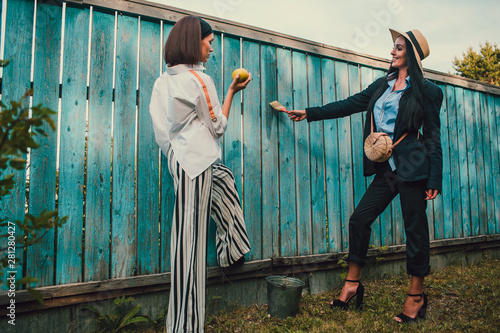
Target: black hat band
(416,44)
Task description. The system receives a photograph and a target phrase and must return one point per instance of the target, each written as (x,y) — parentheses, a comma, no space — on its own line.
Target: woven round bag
(378,147)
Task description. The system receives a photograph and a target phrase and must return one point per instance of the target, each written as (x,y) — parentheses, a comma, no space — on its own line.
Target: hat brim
(395,34)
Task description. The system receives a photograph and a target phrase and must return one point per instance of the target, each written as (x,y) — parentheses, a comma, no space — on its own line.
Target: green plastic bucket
(283,295)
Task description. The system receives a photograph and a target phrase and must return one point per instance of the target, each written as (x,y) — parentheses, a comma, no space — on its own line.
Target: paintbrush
(277,106)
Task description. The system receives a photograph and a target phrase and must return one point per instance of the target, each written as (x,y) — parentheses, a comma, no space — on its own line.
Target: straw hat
(417,40)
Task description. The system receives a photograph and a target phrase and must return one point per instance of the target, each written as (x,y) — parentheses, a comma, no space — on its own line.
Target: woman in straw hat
(188,122)
(399,104)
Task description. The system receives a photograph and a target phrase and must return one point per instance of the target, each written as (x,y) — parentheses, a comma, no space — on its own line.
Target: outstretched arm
(343,108)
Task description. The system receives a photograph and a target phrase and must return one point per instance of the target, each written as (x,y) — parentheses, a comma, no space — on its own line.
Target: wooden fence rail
(298,182)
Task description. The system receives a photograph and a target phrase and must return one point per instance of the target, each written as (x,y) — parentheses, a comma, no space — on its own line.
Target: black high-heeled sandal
(360,292)
(422,312)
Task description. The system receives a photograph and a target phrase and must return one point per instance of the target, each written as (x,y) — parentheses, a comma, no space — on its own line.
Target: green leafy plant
(159,321)
(379,256)
(121,316)
(380,252)
(343,262)
(18,132)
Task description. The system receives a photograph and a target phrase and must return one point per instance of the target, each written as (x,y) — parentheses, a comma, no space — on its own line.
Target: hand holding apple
(241,78)
(243,74)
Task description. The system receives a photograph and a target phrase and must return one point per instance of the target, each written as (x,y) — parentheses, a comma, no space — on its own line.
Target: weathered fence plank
(123,222)
(345,154)
(269,152)
(98,196)
(494,115)
(497,149)
(471,147)
(15,82)
(73,141)
(481,225)
(286,153)
(148,162)
(252,174)
(302,153)
(356,139)
(454,146)
(317,142)
(331,160)
(488,167)
(462,161)
(41,256)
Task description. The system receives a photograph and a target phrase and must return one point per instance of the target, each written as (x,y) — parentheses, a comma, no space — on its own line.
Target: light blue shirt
(386,110)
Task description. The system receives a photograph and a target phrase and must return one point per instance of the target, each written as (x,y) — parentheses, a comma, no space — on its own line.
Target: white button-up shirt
(181,118)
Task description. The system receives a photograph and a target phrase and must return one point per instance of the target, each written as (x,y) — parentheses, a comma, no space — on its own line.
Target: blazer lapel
(402,108)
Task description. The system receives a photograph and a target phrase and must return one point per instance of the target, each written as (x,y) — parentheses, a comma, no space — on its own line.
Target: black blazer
(417,156)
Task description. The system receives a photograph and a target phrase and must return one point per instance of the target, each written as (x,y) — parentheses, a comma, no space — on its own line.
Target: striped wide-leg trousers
(212,193)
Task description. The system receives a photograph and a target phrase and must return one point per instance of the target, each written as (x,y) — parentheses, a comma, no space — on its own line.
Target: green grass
(461,299)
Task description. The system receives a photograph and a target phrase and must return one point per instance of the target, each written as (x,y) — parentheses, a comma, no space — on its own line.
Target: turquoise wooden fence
(298,182)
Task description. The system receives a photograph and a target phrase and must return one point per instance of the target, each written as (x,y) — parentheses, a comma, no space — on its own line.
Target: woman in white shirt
(188,123)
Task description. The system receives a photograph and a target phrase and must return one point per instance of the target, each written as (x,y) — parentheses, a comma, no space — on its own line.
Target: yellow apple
(243,74)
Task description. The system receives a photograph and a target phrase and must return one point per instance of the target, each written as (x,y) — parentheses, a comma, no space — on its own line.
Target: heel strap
(351,280)
(416,295)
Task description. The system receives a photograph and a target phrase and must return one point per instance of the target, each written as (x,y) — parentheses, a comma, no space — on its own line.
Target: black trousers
(384,187)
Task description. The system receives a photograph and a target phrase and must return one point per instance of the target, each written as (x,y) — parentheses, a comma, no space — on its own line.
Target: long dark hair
(183,45)
(411,116)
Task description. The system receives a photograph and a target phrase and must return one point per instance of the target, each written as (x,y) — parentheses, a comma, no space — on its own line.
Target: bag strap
(372,124)
(210,109)
(400,139)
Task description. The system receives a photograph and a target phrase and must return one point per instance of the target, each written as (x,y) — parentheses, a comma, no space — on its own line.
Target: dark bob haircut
(183,45)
